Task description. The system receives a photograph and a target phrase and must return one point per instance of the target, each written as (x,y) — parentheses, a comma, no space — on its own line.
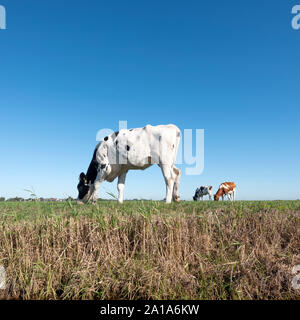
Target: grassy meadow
(150,250)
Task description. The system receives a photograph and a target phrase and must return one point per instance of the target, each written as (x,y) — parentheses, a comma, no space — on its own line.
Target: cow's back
(229,186)
(142,147)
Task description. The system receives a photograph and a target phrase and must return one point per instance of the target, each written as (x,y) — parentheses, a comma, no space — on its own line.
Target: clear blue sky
(70,68)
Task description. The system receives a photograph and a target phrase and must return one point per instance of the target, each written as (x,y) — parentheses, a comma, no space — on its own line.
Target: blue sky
(71,68)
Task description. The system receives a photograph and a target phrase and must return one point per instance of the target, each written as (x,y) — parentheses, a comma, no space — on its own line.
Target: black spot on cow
(201,189)
(93,169)
(116,142)
(159,138)
(106,138)
(103,166)
(131,129)
(127,148)
(116,133)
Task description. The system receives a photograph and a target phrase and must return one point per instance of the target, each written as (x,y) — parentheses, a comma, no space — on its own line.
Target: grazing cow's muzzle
(83,200)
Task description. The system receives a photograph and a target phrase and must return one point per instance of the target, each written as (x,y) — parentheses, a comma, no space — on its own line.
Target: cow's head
(83,188)
(216,197)
(195,197)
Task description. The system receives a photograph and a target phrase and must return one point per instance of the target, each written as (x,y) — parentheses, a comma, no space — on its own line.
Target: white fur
(224,185)
(148,145)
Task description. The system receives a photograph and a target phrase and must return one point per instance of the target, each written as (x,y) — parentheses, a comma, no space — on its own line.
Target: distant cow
(226,188)
(134,149)
(203,191)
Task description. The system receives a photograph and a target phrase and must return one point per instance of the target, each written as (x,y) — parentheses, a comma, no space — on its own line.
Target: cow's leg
(121,185)
(167,173)
(176,176)
(99,179)
(94,195)
(233,195)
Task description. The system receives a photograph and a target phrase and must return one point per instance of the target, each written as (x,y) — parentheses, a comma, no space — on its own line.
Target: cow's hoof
(177,199)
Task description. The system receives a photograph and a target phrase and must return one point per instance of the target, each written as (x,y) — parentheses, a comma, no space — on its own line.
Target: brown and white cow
(226,188)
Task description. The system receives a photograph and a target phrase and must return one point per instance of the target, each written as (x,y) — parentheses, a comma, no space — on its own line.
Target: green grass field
(150,250)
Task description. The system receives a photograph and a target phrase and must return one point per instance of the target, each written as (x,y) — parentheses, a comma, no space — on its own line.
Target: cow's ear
(82,177)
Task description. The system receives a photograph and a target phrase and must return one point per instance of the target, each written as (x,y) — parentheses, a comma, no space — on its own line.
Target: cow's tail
(176,172)
(177,142)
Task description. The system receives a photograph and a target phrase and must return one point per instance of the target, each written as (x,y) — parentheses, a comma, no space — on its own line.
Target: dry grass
(149,250)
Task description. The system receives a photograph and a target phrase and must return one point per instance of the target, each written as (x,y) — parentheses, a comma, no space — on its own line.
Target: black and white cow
(134,149)
(203,191)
